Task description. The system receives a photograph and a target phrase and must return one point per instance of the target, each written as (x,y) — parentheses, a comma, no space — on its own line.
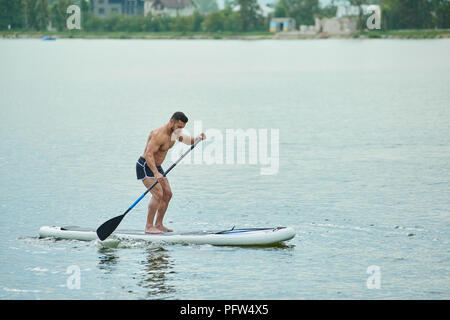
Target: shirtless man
(148,168)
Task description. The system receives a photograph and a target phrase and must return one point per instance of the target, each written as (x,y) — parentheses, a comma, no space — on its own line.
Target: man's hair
(179,116)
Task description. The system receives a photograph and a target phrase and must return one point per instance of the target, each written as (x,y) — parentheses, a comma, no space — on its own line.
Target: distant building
(336,26)
(346,20)
(103,8)
(282,24)
(170,7)
(345,23)
(307,29)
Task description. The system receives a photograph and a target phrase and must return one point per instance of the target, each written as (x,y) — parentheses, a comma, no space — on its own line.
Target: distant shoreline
(375,34)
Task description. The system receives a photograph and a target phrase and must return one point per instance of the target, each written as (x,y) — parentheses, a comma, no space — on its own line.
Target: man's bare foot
(153,230)
(162,228)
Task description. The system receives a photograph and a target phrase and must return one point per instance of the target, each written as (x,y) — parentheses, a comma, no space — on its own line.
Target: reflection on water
(108,259)
(153,273)
(155,270)
(270,247)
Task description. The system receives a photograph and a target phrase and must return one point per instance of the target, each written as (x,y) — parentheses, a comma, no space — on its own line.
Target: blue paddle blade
(105,230)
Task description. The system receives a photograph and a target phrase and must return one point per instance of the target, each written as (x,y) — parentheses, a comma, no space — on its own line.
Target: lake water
(363,174)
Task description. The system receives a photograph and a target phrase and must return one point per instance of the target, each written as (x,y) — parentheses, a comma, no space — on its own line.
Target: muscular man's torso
(159,136)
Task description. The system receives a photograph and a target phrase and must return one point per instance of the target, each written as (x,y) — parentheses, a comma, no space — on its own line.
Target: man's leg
(155,203)
(164,203)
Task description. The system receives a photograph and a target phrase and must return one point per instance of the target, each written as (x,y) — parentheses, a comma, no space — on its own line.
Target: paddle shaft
(165,173)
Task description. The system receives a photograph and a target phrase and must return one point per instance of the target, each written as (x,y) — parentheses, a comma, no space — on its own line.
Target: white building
(336,26)
(104,8)
(170,7)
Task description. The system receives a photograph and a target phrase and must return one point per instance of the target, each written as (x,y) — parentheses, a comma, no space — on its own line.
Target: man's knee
(158,195)
(167,195)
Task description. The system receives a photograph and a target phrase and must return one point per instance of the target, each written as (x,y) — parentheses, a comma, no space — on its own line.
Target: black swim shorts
(143,171)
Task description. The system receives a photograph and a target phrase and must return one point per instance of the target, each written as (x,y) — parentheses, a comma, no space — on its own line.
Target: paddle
(105,230)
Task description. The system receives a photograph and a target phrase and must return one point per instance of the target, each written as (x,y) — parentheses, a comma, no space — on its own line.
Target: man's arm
(152,147)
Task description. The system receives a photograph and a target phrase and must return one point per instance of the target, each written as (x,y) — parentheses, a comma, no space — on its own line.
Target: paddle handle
(165,173)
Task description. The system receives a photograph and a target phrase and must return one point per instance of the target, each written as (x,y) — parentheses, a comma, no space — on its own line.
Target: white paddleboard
(237,237)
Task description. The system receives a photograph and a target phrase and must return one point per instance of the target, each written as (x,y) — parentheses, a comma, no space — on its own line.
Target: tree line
(416,14)
(37,14)
(396,14)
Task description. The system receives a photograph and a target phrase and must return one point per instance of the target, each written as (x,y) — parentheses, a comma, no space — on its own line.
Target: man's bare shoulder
(158,136)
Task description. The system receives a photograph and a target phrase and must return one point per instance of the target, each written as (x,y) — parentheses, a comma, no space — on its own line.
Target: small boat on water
(48,38)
